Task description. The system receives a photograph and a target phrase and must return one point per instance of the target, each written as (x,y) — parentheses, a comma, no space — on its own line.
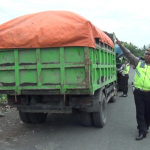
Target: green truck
(39,81)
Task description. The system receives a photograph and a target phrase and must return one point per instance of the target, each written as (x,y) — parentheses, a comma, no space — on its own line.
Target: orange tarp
(50,29)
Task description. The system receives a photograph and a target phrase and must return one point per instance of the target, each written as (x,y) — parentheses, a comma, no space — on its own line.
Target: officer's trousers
(142,103)
(125,84)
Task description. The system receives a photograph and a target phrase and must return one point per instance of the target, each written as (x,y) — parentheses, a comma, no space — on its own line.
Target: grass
(3,98)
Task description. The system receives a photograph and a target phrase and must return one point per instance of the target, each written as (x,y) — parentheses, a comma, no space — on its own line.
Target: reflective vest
(142,76)
(126,70)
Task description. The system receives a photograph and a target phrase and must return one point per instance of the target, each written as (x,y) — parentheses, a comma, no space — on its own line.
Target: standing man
(124,70)
(142,89)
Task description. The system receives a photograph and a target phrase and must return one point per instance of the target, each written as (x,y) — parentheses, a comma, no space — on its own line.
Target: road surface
(64,132)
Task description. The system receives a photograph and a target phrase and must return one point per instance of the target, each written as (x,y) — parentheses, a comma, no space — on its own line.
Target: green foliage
(3,98)
(139,52)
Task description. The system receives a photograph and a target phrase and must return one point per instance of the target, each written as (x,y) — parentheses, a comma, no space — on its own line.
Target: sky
(128,19)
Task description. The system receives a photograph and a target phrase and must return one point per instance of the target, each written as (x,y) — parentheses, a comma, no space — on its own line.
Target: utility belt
(142,90)
(123,74)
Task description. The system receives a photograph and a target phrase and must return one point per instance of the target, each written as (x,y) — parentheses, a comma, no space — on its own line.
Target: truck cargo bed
(60,70)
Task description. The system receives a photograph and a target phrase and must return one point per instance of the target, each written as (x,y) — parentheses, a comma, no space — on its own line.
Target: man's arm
(120,70)
(133,60)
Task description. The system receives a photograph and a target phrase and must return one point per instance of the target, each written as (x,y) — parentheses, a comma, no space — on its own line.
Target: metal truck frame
(58,80)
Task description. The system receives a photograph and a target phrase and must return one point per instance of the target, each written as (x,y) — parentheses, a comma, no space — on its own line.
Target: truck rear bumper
(35,108)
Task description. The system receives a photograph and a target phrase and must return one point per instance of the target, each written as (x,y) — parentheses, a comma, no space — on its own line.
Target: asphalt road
(64,132)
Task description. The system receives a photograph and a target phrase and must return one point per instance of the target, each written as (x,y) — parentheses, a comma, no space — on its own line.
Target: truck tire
(100,117)
(37,118)
(24,117)
(112,99)
(86,119)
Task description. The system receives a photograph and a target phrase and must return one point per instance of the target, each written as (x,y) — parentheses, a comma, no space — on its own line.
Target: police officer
(124,70)
(142,89)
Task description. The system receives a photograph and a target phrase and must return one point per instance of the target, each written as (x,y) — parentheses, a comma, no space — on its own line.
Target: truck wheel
(112,99)
(37,118)
(86,119)
(24,117)
(100,117)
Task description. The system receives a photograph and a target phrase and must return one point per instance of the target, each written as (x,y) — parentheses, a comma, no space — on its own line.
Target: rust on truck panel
(46,63)
(102,78)
(7,64)
(28,84)
(87,63)
(51,84)
(7,84)
(79,53)
(21,64)
(98,81)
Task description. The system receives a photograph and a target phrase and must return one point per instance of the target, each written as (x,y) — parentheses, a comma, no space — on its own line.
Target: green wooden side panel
(75,76)
(28,77)
(50,55)
(27,56)
(7,58)
(60,70)
(50,76)
(103,67)
(74,55)
(7,76)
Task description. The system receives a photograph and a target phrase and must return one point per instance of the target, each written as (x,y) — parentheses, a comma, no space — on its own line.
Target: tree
(134,49)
